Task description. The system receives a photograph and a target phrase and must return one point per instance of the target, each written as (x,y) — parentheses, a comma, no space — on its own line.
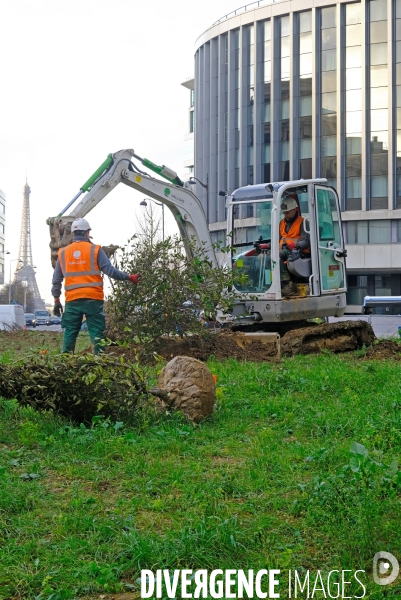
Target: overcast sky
(80,79)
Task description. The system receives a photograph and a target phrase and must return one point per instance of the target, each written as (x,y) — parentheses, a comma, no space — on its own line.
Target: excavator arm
(119,168)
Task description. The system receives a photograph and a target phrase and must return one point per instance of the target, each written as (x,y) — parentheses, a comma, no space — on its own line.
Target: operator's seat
(299,266)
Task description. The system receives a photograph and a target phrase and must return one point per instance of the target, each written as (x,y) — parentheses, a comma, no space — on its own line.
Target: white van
(11,316)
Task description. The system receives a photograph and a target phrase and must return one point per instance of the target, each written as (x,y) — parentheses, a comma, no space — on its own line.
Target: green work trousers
(284,272)
(71,322)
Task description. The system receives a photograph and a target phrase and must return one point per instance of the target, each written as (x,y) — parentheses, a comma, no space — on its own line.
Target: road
(46,328)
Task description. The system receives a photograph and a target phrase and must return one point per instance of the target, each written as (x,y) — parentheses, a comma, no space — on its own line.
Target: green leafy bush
(175,294)
(76,386)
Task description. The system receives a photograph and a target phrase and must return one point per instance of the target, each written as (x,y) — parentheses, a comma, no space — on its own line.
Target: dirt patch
(383,349)
(221,345)
(344,336)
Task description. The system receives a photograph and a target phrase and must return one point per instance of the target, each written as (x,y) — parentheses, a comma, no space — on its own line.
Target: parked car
(30,320)
(41,317)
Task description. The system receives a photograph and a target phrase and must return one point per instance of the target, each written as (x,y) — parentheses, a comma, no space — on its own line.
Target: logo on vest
(76,254)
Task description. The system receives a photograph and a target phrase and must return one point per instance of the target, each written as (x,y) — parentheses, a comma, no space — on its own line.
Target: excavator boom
(119,168)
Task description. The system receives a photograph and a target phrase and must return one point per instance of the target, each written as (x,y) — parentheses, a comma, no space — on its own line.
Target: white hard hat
(288,204)
(80,225)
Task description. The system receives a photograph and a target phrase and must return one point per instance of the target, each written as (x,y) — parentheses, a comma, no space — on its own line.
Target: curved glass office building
(299,89)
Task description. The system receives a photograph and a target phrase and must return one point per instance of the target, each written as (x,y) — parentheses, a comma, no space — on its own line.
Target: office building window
(2,208)
(328,96)
(283,65)
(266,119)
(235,42)
(249,41)
(1,227)
(397,100)
(378,105)
(370,232)
(304,92)
(353,105)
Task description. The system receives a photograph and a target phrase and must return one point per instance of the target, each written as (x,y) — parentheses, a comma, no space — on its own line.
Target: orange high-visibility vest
(293,234)
(82,276)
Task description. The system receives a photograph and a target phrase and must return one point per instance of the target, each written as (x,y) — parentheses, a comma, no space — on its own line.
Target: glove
(291,245)
(133,278)
(58,307)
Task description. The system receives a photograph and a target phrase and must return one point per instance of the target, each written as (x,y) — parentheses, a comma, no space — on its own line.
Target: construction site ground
(221,345)
(297,452)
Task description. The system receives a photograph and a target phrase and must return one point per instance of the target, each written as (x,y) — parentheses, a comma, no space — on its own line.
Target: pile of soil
(336,337)
(343,336)
(383,349)
(221,345)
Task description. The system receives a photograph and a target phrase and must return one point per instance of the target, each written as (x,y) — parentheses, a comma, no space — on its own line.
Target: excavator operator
(292,237)
(80,264)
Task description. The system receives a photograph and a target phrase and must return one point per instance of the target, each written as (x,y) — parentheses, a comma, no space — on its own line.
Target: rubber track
(335,337)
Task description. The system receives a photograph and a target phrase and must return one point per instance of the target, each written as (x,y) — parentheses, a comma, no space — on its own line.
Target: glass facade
(303,95)
(266,106)
(328,99)
(312,92)
(352,184)
(397,101)
(379,134)
(250,101)
(283,67)
(236,43)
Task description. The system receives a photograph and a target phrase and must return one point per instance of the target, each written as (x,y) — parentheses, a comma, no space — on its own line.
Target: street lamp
(9,285)
(193,181)
(144,203)
(25,286)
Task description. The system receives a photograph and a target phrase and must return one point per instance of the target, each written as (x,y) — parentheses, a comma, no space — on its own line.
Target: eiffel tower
(25,272)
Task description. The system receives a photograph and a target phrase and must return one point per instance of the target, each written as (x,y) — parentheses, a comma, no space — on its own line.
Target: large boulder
(190,387)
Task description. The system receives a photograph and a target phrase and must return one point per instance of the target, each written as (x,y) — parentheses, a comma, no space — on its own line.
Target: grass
(297,469)
(20,345)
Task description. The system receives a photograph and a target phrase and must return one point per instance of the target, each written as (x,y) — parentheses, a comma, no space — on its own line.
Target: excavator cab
(318,274)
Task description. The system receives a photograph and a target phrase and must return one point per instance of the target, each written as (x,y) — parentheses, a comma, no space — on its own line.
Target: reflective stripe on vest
(81,283)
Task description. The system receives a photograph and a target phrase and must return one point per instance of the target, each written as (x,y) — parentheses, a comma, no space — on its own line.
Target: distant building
(2,235)
(288,90)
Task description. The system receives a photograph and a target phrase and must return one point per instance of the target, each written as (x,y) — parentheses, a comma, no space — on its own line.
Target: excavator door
(331,251)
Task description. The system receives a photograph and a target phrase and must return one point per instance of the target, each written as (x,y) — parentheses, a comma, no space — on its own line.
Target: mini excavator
(253,219)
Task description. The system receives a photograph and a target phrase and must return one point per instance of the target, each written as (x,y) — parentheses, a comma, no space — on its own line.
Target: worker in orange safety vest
(81,265)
